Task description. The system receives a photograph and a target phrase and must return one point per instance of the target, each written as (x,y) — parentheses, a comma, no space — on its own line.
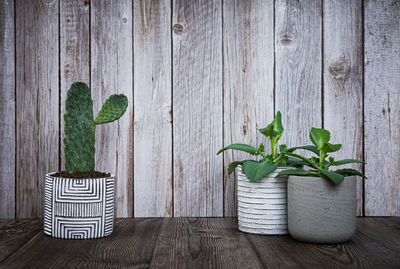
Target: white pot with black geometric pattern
(78,208)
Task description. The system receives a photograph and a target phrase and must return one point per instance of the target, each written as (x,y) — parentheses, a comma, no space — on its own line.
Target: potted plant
(79,202)
(322,201)
(261,193)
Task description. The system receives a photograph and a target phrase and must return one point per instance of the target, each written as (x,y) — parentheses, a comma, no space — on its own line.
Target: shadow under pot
(76,208)
(262,205)
(321,212)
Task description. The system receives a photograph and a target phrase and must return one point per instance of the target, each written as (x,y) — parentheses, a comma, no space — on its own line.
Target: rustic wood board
(248,48)
(196,243)
(203,243)
(74,53)
(7,110)
(367,249)
(111,73)
(15,233)
(382,110)
(298,64)
(37,101)
(197,108)
(343,88)
(152,109)
(130,246)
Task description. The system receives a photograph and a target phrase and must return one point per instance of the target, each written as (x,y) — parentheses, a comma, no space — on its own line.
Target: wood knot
(178,28)
(286,37)
(86,3)
(340,69)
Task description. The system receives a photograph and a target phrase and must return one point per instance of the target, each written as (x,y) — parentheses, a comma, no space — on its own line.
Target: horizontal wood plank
(130,246)
(15,233)
(203,243)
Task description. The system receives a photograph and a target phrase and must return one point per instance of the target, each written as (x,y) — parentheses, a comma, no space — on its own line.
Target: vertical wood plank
(152,105)
(111,72)
(74,52)
(343,69)
(248,79)
(37,99)
(298,67)
(382,110)
(197,108)
(7,110)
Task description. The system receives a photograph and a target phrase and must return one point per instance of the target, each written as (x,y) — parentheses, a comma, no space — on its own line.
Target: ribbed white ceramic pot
(262,206)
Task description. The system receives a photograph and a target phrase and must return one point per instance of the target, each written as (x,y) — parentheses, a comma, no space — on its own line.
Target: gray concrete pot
(321,212)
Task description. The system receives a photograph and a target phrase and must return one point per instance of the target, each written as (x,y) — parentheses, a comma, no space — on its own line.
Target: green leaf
(311,148)
(328,147)
(283,148)
(256,171)
(275,128)
(350,172)
(261,148)
(241,147)
(346,161)
(295,162)
(113,109)
(319,137)
(333,176)
(232,166)
(296,172)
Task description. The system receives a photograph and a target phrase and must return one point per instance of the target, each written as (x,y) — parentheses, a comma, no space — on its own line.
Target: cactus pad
(114,107)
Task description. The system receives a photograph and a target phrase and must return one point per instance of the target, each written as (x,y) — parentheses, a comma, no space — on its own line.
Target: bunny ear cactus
(80,125)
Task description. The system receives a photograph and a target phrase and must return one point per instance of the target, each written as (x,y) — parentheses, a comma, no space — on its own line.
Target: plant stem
(273,148)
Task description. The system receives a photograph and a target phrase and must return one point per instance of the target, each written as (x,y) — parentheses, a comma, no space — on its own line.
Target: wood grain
(343,67)
(15,233)
(7,110)
(382,110)
(366,250)
(74,53)
(153,109)
(203,243)
(37,101)
(248,80)
(130,246)
(197,108)
(298,65)
(111,72)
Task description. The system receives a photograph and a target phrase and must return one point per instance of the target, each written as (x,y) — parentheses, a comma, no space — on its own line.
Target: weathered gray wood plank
(37,99)
(130,246)
(248,80)
(298,67)
(111,72)
(343,67)
(203,243)
(74,52)
(382,110)
(7,110)
(153,109)
(197,108)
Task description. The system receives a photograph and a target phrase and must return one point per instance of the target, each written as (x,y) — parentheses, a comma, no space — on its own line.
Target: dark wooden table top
(195,243)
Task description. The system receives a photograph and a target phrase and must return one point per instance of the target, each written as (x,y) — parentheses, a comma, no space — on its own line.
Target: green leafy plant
(80,126)
(321,164)
(265,164)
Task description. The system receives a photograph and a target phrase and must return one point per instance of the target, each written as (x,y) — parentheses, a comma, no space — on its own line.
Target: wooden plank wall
(198,75)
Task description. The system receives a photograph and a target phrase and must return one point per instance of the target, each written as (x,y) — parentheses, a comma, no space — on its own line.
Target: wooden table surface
(195,243)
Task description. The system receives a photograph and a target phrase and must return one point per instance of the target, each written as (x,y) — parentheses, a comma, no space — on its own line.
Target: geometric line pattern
(78,208)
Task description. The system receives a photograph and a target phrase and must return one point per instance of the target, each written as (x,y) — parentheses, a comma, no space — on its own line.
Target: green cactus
(80,126)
